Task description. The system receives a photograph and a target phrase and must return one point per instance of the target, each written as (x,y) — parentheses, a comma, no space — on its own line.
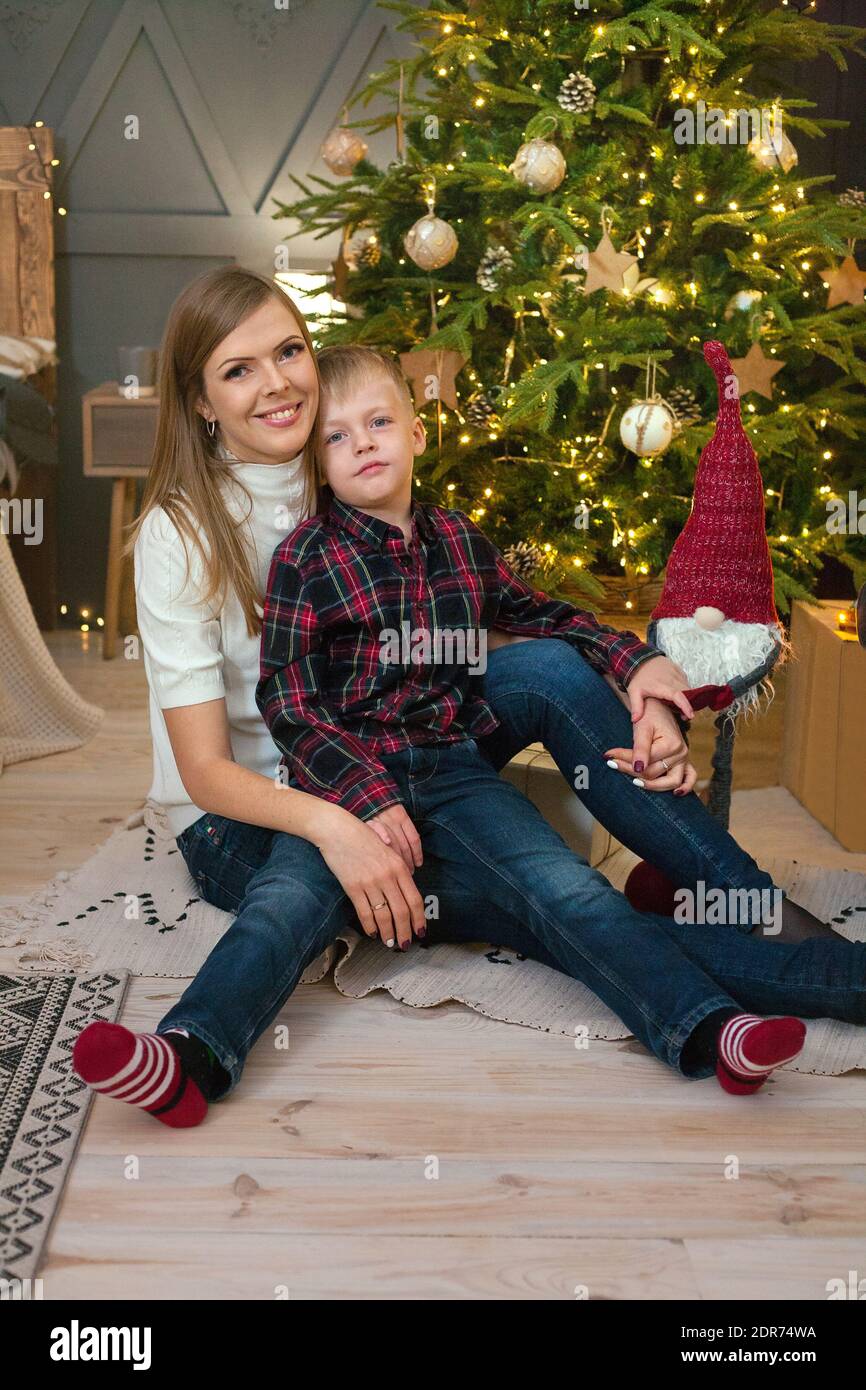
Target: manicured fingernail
(611,762)
(679,792)
(638,782)
(421,932)
(390,943)
(405,946)
(638,767)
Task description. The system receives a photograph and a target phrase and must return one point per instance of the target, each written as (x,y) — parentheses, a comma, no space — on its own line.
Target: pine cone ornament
(524,558)
(853,198)
(577,93)
(370,254)
(685,405)
(481,409)
(496,261)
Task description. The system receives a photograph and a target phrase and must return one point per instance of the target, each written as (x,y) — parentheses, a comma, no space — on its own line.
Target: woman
(239,393)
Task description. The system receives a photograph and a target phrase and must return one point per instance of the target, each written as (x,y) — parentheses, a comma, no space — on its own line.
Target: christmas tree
(618,184)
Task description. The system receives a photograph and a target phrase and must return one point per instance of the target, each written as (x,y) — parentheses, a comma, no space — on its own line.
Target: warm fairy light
(828,454)
(735,207)
(699,197)
(100,622)
(451,487)
(488,492)
(447,28)
(443,72)
(599,29)
(479,101)
(85,612)
(577,562)
(465,438)
(63,608)
(85,627)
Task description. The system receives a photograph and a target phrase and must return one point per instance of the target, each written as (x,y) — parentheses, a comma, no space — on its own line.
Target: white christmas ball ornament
(431,242)
(342,149)
(538,165)
(647,427)
(710,619)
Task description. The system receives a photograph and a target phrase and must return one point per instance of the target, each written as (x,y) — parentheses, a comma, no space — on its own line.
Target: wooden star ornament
(607,267)
(432,373)
(755,372)
(846,283)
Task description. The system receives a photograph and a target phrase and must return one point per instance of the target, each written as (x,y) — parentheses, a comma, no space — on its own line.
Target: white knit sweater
(193,654)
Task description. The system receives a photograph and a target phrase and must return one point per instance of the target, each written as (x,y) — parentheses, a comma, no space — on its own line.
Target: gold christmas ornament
(342,149)
(432,372)
(773,151)
(846,283)
(539,166)
(431,242)
(755,372)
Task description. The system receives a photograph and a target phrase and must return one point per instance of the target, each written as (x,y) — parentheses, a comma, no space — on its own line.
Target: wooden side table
(118,438)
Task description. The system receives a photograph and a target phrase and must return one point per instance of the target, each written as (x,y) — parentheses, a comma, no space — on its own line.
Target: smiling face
(367,442)
(261,386)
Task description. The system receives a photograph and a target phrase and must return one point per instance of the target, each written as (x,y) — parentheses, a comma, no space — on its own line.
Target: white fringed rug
(134,906)
(43,1104)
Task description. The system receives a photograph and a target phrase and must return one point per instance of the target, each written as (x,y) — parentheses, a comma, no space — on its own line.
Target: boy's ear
(419,434)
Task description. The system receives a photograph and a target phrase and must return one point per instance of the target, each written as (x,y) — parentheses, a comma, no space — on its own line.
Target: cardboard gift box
(824,751)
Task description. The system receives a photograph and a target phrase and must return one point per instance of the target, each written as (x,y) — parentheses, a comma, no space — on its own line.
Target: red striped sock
(141,1068)
(749,1048)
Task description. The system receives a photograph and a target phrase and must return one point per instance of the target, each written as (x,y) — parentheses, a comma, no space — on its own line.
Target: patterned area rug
(133,906)
(43,1104)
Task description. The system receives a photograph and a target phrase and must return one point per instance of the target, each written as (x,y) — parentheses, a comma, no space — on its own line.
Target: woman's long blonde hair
(185,471)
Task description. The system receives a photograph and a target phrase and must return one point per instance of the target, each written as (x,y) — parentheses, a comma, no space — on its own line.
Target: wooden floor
(400,1153)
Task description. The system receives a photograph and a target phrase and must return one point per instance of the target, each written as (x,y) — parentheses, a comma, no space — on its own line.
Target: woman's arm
(369,870)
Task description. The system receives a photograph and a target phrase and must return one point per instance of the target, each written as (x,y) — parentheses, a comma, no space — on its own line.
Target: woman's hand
(661,678)
(657,740)
(374,875)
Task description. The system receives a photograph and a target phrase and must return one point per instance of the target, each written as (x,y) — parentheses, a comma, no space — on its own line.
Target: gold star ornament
(755,372)
(432,374)
(607,267)
(846,284)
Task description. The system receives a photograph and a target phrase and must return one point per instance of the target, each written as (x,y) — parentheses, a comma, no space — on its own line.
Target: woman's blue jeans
(499,873)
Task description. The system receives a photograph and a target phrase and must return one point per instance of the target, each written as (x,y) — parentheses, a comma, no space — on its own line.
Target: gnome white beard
(716,657)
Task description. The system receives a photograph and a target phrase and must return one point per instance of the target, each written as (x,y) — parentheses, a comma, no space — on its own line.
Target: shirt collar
(375,532)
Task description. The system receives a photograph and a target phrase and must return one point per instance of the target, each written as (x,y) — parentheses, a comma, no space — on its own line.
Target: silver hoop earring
(211,428)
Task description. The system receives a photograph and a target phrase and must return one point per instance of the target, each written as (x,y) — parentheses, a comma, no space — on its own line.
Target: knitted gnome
(716,617)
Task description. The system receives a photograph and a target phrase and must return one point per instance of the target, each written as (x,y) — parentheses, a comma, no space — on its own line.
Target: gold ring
(383,903)
(665,764)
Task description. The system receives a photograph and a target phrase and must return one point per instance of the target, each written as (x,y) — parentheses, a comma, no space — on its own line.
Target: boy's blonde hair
(342,368)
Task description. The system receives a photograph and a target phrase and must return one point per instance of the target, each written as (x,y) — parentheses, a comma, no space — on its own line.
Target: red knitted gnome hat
(721,558)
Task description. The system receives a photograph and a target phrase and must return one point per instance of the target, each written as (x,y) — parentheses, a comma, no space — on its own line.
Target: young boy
(375,624)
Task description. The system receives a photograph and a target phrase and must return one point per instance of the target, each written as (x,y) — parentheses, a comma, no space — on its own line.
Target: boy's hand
(395,828)
(662,679)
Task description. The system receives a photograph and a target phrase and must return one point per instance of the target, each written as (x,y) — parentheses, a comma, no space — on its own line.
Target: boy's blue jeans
(501,874)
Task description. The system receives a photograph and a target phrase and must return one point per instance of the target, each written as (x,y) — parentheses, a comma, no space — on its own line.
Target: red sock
(749,1048)
(141,1068)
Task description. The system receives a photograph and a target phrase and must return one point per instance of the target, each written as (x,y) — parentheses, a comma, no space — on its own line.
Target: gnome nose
(709,618)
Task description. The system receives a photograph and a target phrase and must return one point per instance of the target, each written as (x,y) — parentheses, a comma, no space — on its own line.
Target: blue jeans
(501,874)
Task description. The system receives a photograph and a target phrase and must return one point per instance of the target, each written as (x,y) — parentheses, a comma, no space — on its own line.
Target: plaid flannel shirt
(345,582)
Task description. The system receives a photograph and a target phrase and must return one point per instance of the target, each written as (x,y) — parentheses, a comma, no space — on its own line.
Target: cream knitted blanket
(40,713)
